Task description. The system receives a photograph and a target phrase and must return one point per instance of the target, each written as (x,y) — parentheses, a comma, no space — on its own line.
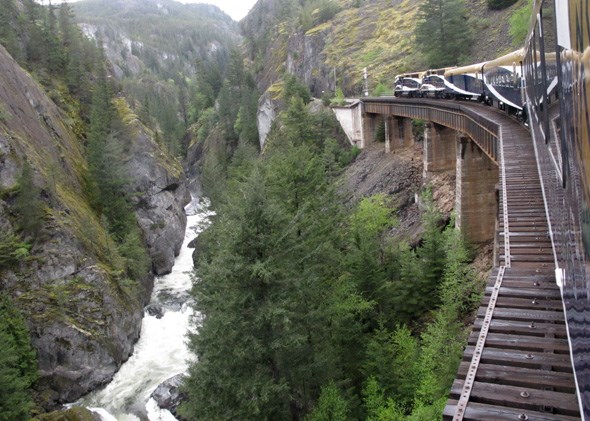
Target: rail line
(517,364)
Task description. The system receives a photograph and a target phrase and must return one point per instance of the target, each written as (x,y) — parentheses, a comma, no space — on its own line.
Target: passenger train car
(546,84)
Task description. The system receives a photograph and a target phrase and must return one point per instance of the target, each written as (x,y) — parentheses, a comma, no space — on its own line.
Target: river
(161,351)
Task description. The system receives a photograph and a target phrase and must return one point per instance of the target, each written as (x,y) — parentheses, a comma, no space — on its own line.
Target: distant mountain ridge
(157,48)
(166,36)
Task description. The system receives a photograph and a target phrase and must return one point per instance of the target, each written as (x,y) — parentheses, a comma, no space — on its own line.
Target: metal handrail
(482,131)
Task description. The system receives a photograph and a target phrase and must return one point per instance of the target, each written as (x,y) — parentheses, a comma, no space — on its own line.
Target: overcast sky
(237,9)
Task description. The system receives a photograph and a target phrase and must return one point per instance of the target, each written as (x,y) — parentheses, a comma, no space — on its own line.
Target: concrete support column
(428,153)
(406,132)
(400,131)
(388,122)
(476,204)
(369,125)
(439,148)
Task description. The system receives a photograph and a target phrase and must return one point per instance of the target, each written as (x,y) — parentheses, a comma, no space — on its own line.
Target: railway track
(517,364)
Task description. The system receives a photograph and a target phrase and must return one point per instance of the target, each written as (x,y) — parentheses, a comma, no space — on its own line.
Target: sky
(237,9)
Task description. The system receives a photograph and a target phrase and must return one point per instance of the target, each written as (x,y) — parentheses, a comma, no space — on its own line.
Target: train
(497,82)
(546,84)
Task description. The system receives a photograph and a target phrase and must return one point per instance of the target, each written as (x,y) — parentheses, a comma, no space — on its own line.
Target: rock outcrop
(168,394)
(73,414)
(158,187)
(267,112)
(83,315)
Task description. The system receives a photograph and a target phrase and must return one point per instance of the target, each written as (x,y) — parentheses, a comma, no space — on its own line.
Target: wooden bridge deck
(517,363)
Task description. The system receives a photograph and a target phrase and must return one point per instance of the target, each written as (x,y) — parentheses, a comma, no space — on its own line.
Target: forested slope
(80,217)
(158,49)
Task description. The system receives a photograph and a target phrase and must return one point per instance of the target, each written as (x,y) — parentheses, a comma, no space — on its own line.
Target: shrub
(380,89)
(338,98)
(12,251)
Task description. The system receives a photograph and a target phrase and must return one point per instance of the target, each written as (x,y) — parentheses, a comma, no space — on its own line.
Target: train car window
(553,122)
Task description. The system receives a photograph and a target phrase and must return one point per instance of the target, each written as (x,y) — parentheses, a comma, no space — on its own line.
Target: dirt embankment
(399,175)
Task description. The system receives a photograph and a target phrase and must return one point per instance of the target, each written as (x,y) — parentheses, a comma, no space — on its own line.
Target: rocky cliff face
(84,317)
(158,186)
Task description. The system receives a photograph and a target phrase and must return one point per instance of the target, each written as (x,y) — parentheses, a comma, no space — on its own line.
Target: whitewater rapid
(161,351)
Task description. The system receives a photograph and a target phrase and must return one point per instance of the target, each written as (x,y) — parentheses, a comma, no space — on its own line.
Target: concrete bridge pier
(369,127)
(398,133)
(440,148)
(475,200)
(388,122)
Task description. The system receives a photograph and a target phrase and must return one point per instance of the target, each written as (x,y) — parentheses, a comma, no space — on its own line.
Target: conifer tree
(331,406)
(54,52)
(105,161)
(8,22)
(29,203)
(18,364)
(270,283)
(442,32)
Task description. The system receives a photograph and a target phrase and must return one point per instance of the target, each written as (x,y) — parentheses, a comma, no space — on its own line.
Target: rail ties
(522,370)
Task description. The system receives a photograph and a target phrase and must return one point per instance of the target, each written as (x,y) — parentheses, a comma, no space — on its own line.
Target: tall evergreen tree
(105,162)
(443,32)
(29,203)
(18,364)
(268,286)
(8,23)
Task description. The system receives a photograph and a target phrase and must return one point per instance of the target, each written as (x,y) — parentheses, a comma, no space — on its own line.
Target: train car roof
(472,68)
(508,59)
(440,71)
(417,75)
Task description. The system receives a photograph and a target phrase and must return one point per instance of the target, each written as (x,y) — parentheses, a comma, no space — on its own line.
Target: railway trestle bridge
(518,363)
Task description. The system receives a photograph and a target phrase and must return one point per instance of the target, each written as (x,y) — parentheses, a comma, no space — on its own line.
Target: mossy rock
(73,414)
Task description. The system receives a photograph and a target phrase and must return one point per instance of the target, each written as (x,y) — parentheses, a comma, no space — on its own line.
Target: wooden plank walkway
(517,362)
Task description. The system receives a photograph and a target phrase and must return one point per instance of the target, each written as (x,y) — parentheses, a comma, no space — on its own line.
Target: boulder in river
(155,310)
(168,394)
(75,413)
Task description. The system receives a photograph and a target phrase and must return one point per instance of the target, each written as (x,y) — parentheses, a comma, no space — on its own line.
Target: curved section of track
(524,371)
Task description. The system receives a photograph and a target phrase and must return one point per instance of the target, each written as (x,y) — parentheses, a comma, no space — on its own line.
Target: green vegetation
(519,23)
(47,42)
(313,313)
(4,115)
(173,58)
(28,203)
(316,12)
(12,251)
(338,98)
(443,33)
(380,89)
(18,364)
(107,138)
